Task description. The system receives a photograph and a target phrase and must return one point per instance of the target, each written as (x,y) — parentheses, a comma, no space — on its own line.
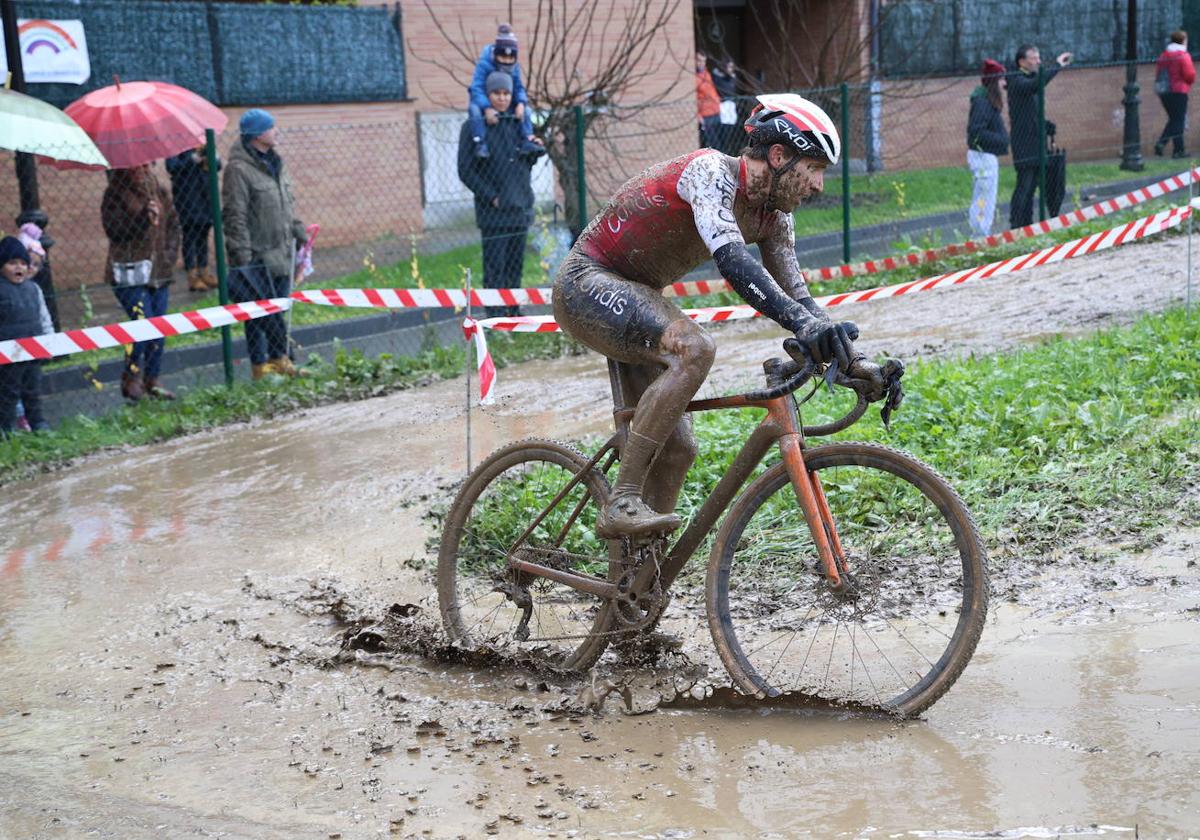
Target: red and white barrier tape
(1120,235)
(128,332)
(424,298)
(483,360)
(144,329)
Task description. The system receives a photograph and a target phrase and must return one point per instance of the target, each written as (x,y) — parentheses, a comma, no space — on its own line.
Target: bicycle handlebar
(797,371)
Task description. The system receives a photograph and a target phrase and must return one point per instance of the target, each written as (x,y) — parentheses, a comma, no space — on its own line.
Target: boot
(1158,149)
(132,388)
(156,390)
(209,278)
(284,366)
(626,515)
(259,371)
(196,281)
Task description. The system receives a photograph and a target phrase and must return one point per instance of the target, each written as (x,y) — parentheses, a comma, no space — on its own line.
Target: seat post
(622,412)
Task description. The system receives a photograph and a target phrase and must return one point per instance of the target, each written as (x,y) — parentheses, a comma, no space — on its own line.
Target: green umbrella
(31,125)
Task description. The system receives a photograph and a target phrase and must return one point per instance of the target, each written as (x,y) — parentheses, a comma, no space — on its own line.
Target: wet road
(165,620)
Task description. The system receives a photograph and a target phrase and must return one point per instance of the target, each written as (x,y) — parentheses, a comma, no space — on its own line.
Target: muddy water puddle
(173,657)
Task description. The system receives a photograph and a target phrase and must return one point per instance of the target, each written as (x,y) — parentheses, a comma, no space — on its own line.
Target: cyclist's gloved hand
(825,341)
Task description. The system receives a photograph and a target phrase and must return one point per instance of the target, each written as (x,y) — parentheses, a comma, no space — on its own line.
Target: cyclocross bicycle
(848,571)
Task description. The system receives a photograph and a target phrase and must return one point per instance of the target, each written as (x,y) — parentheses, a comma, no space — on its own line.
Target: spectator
(724,76)
(987,139)
(262,234)
(30,224)
(24,315)
(193,203)
(500,56)
(1175,68)
(1023,126)
(30,236)
(708,104)
(143,247)
(503,193)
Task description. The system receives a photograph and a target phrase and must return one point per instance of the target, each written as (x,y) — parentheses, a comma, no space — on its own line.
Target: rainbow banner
(51,51)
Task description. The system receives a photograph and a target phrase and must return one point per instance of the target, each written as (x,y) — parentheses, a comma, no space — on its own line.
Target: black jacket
(189,188)
(20,310)
(1022,114)
(985,128)
(504,174)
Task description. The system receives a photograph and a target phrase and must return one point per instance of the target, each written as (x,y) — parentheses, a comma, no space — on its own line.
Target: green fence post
(845,173)
(1041,140)
(214,195)
(580,169)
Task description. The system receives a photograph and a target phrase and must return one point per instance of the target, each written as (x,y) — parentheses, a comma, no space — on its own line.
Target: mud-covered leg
(636,325)
(668,470)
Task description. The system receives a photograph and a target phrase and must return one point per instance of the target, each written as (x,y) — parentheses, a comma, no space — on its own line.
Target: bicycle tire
(481,526)
(918,571)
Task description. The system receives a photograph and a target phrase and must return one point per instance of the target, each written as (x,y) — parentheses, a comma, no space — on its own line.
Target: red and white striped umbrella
(138,122)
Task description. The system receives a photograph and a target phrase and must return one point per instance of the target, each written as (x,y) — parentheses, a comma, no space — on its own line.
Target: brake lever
(894,393)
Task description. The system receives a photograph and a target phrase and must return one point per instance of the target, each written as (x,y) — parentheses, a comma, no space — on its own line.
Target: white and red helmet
(794,121)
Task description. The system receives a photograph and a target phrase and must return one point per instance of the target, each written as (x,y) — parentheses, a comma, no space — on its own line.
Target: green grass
(1095,433)
(351,376)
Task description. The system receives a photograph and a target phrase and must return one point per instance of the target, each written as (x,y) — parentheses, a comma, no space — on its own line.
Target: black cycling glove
(826,341)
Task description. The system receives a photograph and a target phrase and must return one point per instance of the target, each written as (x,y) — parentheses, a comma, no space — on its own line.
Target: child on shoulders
(500,55)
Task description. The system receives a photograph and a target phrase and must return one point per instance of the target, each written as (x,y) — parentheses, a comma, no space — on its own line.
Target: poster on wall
(51,51)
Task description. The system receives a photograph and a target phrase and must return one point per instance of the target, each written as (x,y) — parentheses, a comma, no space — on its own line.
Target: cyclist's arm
(708,186)
(778,249)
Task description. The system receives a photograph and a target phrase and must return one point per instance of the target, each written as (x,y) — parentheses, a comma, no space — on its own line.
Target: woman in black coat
(986,142)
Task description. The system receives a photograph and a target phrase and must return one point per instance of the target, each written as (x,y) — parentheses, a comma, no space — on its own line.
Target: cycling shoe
(627,515)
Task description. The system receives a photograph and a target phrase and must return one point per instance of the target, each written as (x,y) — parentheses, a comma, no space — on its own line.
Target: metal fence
(394,212)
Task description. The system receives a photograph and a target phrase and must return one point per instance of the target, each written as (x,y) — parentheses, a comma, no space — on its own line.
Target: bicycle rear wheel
(916,597)
(500,499)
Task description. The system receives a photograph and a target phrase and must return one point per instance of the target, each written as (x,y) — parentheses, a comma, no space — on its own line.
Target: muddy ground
(173,659)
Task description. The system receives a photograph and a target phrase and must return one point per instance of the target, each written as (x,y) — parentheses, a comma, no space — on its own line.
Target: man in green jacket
(262,234)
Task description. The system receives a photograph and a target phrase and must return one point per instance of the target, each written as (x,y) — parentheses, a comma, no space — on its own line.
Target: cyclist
(660,225)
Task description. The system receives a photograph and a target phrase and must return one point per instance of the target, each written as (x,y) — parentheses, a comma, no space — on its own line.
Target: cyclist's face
(805,179)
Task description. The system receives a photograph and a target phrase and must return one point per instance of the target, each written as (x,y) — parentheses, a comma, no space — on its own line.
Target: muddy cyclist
(659,226)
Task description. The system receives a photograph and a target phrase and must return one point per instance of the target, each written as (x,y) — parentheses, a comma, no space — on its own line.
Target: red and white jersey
(672,217)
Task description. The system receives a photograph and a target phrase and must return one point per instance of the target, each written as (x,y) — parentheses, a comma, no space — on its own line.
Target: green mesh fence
(394,212)
(234,54)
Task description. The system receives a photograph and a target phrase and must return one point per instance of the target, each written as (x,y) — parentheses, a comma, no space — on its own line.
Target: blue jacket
(487,64)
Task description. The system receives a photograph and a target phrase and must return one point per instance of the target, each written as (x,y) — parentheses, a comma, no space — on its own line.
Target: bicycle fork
(811,496)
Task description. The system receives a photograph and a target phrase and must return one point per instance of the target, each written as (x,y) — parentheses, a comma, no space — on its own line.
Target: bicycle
(871,591)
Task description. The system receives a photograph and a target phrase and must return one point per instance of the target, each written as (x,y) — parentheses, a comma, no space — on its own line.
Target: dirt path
(168,616)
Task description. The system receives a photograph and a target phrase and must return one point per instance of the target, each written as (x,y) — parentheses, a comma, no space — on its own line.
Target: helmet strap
(779,172)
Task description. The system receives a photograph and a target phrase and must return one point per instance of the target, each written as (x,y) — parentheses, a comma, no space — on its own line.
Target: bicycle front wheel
(915,598)
(480,596)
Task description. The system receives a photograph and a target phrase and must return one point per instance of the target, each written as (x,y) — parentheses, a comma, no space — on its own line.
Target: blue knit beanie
(12,249)
(254,122)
